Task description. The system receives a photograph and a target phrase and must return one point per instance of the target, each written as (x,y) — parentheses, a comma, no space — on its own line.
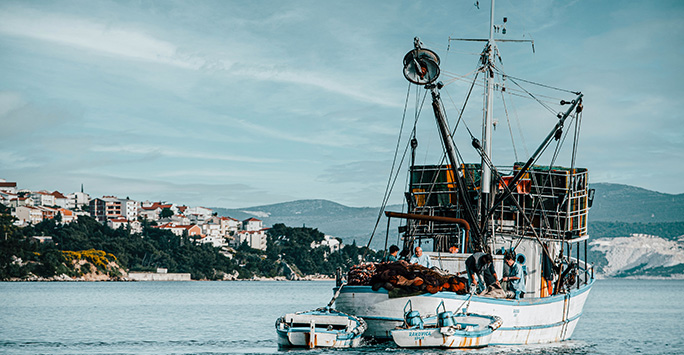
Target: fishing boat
(445,330)
(534,207)
(322,327)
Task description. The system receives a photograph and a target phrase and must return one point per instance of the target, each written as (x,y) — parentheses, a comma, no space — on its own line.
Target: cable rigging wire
(391,182)
(394,160)
(539,84)
(508,122)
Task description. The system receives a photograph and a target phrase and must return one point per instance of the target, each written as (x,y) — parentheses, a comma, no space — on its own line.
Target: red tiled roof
(252,220)
(58,194)
(156,205)
(66,212)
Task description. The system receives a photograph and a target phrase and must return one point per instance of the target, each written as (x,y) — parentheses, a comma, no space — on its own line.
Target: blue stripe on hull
(452,295)
(522,305)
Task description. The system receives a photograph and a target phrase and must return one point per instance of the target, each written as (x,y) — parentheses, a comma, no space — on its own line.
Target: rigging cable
(578,124)
(534,97)
(394,160)
(391,182)
(508,122)
(542,85)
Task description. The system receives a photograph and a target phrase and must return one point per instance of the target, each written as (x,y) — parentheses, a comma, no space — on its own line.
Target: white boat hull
(323,327)
(434,338)
(320,340)
(525,321)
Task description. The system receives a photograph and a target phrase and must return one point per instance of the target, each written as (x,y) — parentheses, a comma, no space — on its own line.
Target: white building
(255,239)
(192,230)
(252,224)
(152,210)
(28,215)
(227,225)
(42,198)
(329,241)
(68,215)
(60,199)
(129,209)
(198,214)
(77,200)
(116,223)
(230,225)
(7,197)
(211,229)
(21,201)
(216,241)
(6,186)
(177,219)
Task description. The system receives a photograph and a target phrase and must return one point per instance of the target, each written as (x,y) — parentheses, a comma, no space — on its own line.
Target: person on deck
(420,258)
(494,288)
(392,256)
(515,278)
(475,267)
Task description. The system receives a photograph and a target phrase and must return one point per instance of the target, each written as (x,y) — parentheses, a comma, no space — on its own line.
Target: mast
(486,182)
(449,145)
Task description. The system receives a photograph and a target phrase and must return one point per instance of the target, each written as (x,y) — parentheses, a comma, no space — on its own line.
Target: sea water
(620,317)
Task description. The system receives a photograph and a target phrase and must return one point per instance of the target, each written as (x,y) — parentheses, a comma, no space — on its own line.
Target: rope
(542,85)
(394,160)
(391,182)
(470,296)
(534,97)
(510,130)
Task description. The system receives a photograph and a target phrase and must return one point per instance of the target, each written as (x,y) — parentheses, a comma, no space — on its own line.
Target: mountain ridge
(625,203)
(615,203)
(618,212)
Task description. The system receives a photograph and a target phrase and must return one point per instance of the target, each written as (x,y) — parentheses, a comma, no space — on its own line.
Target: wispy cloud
(131,43)
(175,153)
(83,34)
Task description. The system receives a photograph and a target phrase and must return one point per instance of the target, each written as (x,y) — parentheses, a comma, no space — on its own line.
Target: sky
(244,103)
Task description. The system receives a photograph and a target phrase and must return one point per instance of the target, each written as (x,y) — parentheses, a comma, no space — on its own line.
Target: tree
(166,212)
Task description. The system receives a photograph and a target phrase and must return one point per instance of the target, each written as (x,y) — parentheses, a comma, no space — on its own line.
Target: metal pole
(586,262)
(578,260)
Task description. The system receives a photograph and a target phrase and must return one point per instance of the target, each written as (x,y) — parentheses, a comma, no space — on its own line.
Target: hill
(624,203)
(348,223)
(618,212)
(622,207)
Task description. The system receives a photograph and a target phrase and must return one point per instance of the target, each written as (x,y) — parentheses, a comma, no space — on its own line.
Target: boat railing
(585,272)
(548,201)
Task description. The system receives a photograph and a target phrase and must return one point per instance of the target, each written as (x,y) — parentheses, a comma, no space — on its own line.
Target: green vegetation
(165,213)
(293,246)
(666,230)
(289,250)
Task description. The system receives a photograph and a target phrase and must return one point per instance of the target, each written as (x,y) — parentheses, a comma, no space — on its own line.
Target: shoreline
(65,278)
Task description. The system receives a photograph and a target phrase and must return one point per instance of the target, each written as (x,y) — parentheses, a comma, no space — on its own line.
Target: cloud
(166,151)
(83,34)
(357,172)
(194,193)
(21,118)
(15,161)
(128,42)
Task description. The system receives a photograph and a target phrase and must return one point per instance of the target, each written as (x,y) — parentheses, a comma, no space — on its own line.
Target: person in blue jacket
(516,276)
(392,256)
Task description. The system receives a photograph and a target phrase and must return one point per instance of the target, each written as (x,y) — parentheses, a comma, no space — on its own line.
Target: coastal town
(199,223)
